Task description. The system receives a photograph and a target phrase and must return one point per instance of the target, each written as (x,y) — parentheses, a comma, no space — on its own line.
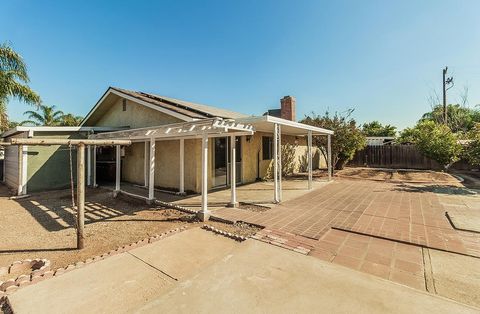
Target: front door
(221,161)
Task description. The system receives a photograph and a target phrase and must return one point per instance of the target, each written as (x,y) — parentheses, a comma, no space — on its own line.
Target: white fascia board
(138,101)
(298,125)
(31,129)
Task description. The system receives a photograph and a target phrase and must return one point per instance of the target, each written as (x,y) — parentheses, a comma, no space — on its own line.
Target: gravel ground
(252,207)
(238,228)
(426,176)
(41,226)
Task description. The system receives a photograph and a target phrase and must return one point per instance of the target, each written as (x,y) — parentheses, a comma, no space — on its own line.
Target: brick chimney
(287,109)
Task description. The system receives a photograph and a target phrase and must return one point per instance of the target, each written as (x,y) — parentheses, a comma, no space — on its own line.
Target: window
(124,104)
(267,149)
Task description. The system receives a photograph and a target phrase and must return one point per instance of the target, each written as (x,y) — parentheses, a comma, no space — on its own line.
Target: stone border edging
(32,279)
(38,266)
(224,233)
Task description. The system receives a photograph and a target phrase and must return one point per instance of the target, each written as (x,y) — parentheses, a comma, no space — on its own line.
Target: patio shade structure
(80,143)
(201,129)
(279,126)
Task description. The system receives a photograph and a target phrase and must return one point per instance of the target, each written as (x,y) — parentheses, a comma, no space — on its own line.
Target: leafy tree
(12,124)
(71,120)
(13,82)
(347,137)
(48,116)
(460,118)
(407,136)
(375,128)
(471,151)
(435,141)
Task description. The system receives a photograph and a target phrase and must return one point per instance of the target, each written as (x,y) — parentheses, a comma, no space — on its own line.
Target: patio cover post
(279,163)
(89,165)
(146,164)
(310,166)
(151,176)
(80,194)
(329,154)
(181,189)
(275,163)
(117,167)
(233,179)
(204,214)
(94,166)
(20,170)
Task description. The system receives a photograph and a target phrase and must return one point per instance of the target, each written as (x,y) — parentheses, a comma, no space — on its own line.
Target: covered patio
(256,193)
(204,130)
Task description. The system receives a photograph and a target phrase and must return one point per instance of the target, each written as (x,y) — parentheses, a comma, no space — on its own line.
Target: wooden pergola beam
(40,141)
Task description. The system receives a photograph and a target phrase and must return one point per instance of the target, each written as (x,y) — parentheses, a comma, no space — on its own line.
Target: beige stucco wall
(167,166)
(252,150)
(135,116)
(133,164)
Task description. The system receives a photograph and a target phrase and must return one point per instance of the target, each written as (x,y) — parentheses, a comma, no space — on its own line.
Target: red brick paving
(387,210)
(398,262)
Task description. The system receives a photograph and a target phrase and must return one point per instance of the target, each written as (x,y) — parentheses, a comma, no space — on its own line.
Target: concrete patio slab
(465,219)
(118,284)
(185,253)
(464,285)
(260,278)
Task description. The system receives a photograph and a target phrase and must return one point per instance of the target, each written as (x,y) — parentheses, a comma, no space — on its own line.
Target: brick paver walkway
(374,227)
(402,263)
(386,210)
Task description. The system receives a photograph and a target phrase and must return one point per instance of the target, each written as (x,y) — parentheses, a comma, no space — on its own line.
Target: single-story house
(184,146)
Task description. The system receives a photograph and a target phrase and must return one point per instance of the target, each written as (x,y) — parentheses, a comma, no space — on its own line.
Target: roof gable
(184,110)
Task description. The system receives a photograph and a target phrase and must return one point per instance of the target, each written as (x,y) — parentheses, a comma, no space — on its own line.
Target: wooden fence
(393,156)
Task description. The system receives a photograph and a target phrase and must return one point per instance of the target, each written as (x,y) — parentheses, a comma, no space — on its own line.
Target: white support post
(204,214)
(118,167)
(151,176)
(94,166)
(329,154)
(20,170)
(310,160)
(233,179)
(89,165)
(181,189)
(279,163)
(275,163)
(146,164)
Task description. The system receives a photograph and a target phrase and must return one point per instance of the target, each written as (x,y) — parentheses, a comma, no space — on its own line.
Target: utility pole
(445,82)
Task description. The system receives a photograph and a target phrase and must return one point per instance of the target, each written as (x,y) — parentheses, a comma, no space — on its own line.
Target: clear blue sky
(379,57)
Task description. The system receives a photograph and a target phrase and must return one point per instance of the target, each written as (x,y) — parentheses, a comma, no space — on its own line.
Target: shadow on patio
(53,210)
(435,188)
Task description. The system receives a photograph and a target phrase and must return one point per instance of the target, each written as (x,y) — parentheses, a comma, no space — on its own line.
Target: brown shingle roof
(190,109)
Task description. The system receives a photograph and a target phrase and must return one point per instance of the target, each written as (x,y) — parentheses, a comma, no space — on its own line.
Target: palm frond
(29,122)
(11,61)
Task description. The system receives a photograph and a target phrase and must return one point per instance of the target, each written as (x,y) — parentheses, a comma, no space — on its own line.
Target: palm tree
(13,82)
(71,120)
(47,116)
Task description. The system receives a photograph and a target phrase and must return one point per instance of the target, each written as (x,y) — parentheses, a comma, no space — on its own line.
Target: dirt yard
(41,226)
(412,176)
